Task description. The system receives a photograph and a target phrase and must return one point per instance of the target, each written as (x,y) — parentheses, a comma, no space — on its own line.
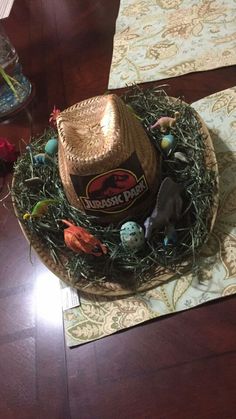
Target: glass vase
(15,88)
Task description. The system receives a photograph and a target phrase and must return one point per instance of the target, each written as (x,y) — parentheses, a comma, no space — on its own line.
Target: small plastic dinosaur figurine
(80,240)
(42,159)
(40,209)
(53,116)
(168,207)
(165,122)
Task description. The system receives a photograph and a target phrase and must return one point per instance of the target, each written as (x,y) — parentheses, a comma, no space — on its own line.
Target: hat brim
(156,276)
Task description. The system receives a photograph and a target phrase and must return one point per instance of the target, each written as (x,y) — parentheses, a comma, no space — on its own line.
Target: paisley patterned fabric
(157,39)
(216,275)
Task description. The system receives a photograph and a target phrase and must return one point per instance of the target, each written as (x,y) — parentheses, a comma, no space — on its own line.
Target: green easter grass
(119,265)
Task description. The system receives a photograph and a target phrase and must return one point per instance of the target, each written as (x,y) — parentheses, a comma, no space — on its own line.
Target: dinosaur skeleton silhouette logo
(112,191)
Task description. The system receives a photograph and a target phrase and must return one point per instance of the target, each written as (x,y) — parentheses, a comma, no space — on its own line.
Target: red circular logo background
(110,184)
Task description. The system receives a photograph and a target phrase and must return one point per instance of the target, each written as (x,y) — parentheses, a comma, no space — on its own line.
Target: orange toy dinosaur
(80,240)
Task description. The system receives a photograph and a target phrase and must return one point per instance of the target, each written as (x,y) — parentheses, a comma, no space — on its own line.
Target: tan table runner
(98,317)
(5,8)
(157,39)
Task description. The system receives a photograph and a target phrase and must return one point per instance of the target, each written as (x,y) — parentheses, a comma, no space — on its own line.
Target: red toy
(80,240)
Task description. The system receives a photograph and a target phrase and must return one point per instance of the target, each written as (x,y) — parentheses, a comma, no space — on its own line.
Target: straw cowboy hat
(109,169)
(108,166)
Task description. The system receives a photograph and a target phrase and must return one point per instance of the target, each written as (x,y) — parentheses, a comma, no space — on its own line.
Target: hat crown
(98,138)
(91,131)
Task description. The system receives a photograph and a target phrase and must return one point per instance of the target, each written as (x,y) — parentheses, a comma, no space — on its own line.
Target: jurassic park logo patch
(112,191)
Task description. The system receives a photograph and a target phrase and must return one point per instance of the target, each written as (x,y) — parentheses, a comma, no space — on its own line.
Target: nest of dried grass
(198,176)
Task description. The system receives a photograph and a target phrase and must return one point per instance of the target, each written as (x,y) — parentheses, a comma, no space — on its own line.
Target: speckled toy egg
(167,142)
(132,236)
(51,147)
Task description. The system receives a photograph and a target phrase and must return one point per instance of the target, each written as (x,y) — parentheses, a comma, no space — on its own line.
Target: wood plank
(181,366)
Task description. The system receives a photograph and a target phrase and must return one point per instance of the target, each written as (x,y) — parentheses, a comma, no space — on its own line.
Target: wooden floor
(179,367)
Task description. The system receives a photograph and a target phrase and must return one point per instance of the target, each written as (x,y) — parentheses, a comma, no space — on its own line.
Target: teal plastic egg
(51,147)
(132,236)
(167,142)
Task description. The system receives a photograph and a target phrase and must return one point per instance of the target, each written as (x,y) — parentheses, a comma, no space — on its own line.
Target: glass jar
(15,88)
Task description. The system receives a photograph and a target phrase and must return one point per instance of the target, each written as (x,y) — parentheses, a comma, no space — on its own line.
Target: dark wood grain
(179,367)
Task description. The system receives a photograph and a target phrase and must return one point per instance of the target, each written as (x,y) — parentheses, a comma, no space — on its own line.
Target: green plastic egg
(167,142)
(132,236)
(51,147)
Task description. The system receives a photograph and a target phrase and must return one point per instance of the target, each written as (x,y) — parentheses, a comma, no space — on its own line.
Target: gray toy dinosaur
(168,207)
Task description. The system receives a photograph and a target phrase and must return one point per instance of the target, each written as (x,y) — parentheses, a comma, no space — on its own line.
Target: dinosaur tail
(68,223)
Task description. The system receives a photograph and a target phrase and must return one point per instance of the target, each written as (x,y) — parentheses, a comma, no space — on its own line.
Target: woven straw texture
(155,277)
(109,289)
(98,135)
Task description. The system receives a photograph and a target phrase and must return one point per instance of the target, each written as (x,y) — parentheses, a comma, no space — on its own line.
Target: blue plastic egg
(167,142)
(132,236)
(168,239)
(51,147)
(171,235)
